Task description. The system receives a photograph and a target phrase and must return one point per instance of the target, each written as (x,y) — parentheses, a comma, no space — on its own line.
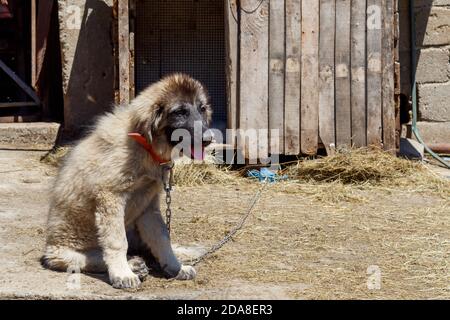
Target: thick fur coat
(109,188)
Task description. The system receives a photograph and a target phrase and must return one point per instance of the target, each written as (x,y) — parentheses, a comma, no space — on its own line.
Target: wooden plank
(132,17)
(327,74)
(374,66)
(292,78)
(231,41)
(343,84)
(254,72)
(309,118)
(389,125)
(33,43)
(358,73)
(276,75)
(124,52)
(44,19)
(29,91)
(18,104)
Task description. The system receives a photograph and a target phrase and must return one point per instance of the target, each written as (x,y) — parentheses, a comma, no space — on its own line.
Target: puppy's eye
(181,112)
(203,108)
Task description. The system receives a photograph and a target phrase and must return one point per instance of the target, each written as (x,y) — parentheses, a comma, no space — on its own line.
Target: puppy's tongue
(198,153)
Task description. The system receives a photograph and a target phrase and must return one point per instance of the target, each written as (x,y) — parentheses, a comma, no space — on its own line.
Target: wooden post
(358,73)
(254,77)
(33,44)
(309,116)
(327,73)
(132,41)
(343,83)
(124,51)
(374,71)
(276,74)
(292,77)
(388,78)
(231,42)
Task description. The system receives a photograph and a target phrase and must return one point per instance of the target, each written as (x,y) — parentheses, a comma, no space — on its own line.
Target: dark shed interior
(183,36)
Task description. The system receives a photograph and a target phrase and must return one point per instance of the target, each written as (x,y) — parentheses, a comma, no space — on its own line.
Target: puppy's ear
(154,121)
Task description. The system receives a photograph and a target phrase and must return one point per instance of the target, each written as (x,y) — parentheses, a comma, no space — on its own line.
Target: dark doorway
(15,53)
(29,93)
(183,36)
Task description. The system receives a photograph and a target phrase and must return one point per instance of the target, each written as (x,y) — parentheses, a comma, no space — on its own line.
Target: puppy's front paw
(125,281)
(139,268)
(186,273)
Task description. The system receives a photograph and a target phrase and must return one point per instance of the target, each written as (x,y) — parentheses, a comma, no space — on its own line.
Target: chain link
(235,230)
(167,177)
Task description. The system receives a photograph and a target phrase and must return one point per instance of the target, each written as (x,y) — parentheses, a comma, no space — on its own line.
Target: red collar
(143,142)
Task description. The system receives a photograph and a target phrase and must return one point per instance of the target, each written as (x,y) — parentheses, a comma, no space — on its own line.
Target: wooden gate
(322,72)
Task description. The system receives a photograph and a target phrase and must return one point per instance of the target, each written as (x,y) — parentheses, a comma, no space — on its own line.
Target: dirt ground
(298,244)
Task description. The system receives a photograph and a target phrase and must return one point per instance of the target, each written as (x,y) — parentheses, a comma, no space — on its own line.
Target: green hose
(415,130)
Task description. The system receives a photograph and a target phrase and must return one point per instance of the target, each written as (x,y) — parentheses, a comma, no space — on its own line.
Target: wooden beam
(231,42)
(389,125)
(254,75)
(374,72)
(292,77)
(310,78)
(18,104)
(42,32)
(124,51)
(327,74)
(276,74)
(29,91)
(33,43)
(342,57)
(358,72)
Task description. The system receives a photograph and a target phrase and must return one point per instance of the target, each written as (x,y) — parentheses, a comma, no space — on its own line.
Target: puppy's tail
(68,260)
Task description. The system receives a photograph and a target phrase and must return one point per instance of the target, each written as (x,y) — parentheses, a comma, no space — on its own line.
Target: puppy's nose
(208,137)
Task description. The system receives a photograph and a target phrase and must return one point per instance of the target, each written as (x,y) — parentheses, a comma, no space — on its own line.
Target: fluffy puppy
(109,185)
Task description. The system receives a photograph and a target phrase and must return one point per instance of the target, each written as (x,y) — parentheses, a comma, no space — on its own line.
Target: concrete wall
(87,60)
(433,65)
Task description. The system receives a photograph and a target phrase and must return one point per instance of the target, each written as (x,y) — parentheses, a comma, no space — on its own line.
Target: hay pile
(354,166)
(364,167)
(349,174)
(192,174)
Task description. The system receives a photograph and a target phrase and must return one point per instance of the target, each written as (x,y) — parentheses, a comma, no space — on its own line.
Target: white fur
(108,185)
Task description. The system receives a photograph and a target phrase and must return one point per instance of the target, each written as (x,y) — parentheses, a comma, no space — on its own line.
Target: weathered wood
(254,71)
(25,88)
(231,42)
(358,75)
(388,77)
(343,85)
(132,24)
(44,19)
(309,117)
(326,74)
(33,43)
(18,104)
(276,74)
(292,78)
(374,72)
(124,51)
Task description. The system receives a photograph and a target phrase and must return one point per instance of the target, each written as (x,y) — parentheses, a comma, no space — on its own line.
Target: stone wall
(433,65)
(87,60)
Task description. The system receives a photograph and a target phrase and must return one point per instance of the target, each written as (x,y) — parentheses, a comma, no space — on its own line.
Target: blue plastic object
(266,174)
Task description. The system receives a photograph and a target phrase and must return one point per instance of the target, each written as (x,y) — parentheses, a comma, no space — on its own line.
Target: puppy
(106,196)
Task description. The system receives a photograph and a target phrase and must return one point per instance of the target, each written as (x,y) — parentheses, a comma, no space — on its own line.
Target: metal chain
(167,178)
(231,234)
